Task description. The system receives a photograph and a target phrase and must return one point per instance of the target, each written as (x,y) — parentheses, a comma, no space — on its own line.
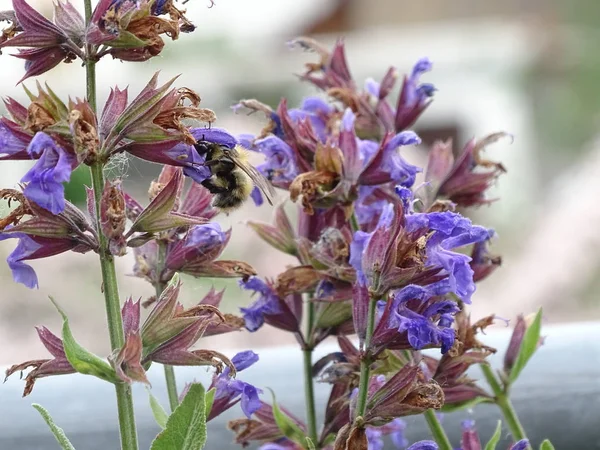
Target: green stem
(365,363)
(354,223)
(109,276)
(504,403)
(439,435)
(309,388)
(169,371)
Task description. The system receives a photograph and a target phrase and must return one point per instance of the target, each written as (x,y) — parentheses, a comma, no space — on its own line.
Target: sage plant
(386,265)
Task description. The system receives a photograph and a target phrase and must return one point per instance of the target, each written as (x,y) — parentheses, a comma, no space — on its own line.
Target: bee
(233,178)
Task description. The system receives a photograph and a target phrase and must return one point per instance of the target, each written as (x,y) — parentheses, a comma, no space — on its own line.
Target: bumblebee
(233,178)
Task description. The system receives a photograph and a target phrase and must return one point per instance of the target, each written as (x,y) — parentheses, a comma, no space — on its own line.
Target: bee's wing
(259,180)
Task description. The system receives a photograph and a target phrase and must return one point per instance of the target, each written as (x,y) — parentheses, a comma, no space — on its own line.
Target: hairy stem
(127,426)
(365,363)
(439,435)
(503,401)
(309,388)
(169,371)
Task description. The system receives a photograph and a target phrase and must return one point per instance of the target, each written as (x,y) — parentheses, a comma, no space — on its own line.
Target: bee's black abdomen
(227,201)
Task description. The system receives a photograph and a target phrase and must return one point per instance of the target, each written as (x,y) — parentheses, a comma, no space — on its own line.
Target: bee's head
(203,147)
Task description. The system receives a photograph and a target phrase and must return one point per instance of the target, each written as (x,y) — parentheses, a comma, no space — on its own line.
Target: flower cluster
(377,256)
(125,29)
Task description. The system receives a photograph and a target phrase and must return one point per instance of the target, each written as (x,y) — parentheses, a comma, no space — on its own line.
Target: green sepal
(126,40)
(186,427)
(58,432)
(286,425)
(528,347)
(491,445)
(81,359)
(160,415)
(546,445)
(333,314)
(209,399)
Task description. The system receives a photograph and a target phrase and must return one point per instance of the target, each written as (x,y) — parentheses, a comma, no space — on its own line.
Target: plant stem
(169,371)
(354,223)
(504,403)
(109,276)
(365,363)
(439,435)
(309,389)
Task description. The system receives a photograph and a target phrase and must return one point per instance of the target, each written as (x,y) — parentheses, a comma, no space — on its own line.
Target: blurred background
(530,68)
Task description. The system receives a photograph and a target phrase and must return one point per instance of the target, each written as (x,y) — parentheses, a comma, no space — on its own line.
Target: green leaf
(310,444)
(491,445)
(158,411)
(528,346)
(209,399)
(287,426)
(186,427)
(81,359)
(464,405)
(58,432)
(546,445)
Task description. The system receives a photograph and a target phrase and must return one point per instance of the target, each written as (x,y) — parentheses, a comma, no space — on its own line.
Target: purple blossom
(267,303)
(399,170)
(394,429)
(201,244)
(33,248)
(423,445)
(360,242)
(431,326)
(450,231)
(229,391)
(280,165)
(13,141)
(317,111)
(45,179)
(21,272)
(414,97)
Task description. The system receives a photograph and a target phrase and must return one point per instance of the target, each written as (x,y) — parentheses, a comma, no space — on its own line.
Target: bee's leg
(212,187)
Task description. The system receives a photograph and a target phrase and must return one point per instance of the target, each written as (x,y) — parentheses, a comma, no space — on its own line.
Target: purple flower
(158,8)
(267,303)
(201,244)
(361,241)
(523,444)
(317,111)
(394,429)
(280,165)
(430,325)
(33,248)
(374,438)
(45,179)
(230,391)
(423,445)
(414,97)
(399,170)
(13,141)
(450,231)
(21,272)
